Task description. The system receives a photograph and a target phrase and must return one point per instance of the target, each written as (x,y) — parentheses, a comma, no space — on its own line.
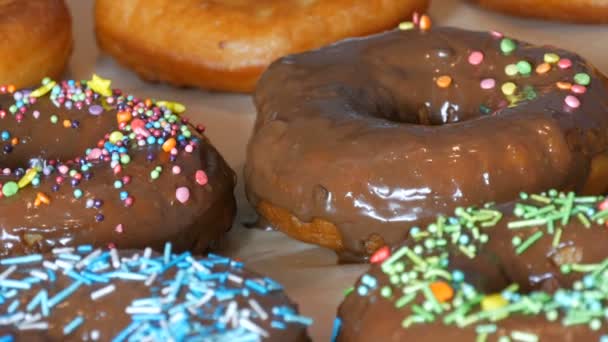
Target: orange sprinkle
(148,102)
(543,68)
(444,81)
(564,85)
(14,141)
(442,291)
(169,145)
(11,88)
(41,198)
(425,22)
(123,117)
(67,123)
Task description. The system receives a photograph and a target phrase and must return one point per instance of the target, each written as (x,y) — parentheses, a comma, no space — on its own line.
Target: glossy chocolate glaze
(494,268)
(359,134)
(155,216)
(105,317)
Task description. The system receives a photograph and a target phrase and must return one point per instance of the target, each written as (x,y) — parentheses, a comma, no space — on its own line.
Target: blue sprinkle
(63,294)
(13,306)
(257,287)
(336,329)
(126,332)
(84,248)
(26,259)
(15,284)
(73,325)
(278,325)
(167,253)
(7,338)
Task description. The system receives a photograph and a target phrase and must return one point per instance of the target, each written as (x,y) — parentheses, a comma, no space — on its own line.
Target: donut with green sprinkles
(83,293)
(533,270)
(83,163)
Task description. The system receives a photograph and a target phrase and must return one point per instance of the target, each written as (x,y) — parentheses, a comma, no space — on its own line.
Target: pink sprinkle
(176,170)
(182,194)
(119,228)
(174,151)
(94,154)
(6,171)
(572,101)
(63,169)
(416,18)
(476,57)
(36,114)
(564,63)
(578,89)
(139,127)
(201,177)
(496,34)
(189,148)
(487,83)
(603,205)
(117,169)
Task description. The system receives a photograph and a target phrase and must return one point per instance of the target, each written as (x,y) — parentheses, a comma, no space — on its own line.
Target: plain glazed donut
(534,271)
(81,163)
(139,295)
(578,11)
(225,45)
(35,40)
(358,140)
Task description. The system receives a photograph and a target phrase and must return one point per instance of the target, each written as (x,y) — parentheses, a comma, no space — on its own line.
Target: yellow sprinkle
(27,178)
(43,90)
(406,25)
(100,85)
(175,107)
(509,88)
(493,302)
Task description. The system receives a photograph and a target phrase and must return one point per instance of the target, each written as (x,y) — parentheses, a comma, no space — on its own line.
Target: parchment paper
(310,274)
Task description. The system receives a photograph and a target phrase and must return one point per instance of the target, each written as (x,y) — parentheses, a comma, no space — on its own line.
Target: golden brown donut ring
(225,45)
(578,11)
(35,40)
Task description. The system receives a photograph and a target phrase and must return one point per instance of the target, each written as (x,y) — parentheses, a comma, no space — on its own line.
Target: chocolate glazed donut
(359,140)
(535,270)
(84,164)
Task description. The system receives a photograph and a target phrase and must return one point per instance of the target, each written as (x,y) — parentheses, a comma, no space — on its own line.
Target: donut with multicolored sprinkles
(84,293)
(535,270)
(82,163)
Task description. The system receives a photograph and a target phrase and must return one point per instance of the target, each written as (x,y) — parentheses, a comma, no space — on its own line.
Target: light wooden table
(310,274)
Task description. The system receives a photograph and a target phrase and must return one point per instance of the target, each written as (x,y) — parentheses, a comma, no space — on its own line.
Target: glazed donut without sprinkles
(36,40)
(82,163)
(357,140)
(578,11)
(141,296)
(533,271)
(225,45)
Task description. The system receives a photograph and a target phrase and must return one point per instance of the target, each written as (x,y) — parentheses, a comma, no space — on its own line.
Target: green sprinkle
(484,109)
(507,46)
(349,291)
(584,220)
(10,189)
(524,336)
(526,223)
(386,291)
(567,209)
(529,242)
(557,237)
(524,67)
(516,241)
(540,198)
(406,25)
(582,79)
(54,119)
(481,337)
(403,301)
(486,329)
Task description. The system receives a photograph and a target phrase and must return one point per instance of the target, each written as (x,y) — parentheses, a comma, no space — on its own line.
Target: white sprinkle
(150,279)
(10,320)
(249,325)
(231,310)
(95,335)
(234,278)
(34,326)
(49,265)
(65,265)
(115,259)
(207,297)
(258,309)
(134,310)
(61,250)
(30,318)
(86,260)
(197,265)
(103,292)
(147,254)
(39,274)
(8,272)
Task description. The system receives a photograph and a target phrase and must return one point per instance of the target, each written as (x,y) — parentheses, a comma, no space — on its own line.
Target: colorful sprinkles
(184,298)
(422,285)
(140,123)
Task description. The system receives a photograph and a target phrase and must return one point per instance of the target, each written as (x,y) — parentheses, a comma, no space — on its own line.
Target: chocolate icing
(496,265)
(358,133)
(205,292)
(155,217)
